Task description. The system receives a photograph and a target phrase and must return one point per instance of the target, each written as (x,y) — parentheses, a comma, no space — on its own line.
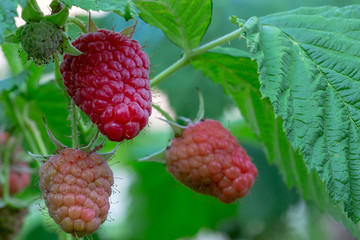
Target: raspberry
(209,160)
(76,187)
(110,83)
(41,40)
(19,177)
(11,222)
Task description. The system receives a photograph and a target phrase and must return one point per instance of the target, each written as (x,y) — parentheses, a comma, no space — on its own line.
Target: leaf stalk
(187,57)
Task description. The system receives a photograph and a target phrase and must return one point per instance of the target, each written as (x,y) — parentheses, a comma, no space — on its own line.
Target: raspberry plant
(296,86)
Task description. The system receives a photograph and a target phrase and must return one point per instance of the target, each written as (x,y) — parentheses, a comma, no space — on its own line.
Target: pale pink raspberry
(76,187)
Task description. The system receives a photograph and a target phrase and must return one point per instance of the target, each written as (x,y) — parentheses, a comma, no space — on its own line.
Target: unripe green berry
(41,41)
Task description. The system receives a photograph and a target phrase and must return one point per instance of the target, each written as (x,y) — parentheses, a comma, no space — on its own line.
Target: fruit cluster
(106,74)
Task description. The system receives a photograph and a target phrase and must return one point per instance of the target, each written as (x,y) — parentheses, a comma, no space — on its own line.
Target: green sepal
(129,31)
(201,112)
(92,142)
(77,22)
(15,36)
(12,38)
(92,26)
(155,157)
(39,158)
(163,112)
(177,128)
(68,47)
(56,6)
(31,12)
(108,155)
(59,146)
(59,18)
(98,147)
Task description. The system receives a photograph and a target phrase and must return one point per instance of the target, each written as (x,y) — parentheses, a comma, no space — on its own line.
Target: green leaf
(187,210)
(11,52)
(7,14)
(238,76)
(123,8)
(309,69)
(31,12)
(183,22)
(15,81)
(22,70)
(52,105)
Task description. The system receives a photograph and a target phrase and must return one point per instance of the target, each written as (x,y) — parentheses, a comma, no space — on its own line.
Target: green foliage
(123,8)
(7,14)
(308,61)
(190,210)
(237,74)
(183,22)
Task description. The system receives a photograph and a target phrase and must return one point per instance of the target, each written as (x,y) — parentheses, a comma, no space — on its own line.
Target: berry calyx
(110,83)
(209,160)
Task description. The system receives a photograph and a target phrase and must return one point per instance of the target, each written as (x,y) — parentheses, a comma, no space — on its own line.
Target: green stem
(163,112)
(73,113)
(78,23)
(34,131)
(194,53)
(170,70)
(74,132)
(58,76)
(16,111)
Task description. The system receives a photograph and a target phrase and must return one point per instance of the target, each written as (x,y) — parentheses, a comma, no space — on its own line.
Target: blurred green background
(147,202)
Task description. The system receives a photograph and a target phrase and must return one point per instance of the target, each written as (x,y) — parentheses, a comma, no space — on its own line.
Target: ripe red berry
(209,160)
(110,82)
(76,187)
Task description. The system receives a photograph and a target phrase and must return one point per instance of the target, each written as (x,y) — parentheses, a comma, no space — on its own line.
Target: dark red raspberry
(209,160)
(110,83)
(76,187)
